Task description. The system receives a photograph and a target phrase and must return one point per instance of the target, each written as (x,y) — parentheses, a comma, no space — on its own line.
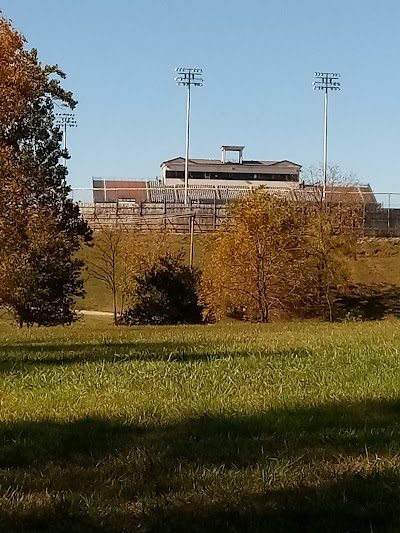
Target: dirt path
(95,313)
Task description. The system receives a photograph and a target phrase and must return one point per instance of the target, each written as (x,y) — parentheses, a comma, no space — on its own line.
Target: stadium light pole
(66,120)
(188,77)
(326,81)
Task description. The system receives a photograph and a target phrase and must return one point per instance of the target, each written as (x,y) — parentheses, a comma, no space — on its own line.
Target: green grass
(229,427)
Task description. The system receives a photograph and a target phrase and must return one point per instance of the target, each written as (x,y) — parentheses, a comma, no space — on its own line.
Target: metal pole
(187,144)
(65,144)
(325,147)
(188,77)
(65,120)
(325,81)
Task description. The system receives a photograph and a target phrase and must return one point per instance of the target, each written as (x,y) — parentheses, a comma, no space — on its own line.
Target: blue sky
(258,58)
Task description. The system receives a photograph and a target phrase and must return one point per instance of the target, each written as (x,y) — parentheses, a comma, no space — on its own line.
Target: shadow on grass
(181,476)
(239,441)
(12,355)
(351,504)
(370,302)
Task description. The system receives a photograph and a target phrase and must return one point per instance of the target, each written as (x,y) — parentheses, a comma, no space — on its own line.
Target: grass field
(229,427)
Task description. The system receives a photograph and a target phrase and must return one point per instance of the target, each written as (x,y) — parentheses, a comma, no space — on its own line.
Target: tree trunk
(115,305)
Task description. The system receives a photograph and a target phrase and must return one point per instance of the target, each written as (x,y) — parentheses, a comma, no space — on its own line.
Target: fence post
(388,220)
(215,210)
(191,252)
(364,218)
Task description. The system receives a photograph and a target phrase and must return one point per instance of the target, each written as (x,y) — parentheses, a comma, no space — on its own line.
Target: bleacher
(200,194)
(197,194)
(154,192)
(158,194)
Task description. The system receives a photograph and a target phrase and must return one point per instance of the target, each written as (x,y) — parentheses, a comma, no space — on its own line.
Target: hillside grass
(229,427)
(374,271)
(99,298)
(377,261)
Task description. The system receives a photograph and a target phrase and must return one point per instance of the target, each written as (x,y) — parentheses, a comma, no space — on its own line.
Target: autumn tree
(40,227)
(255,262)
(342,195)
(333,222)
(329,240)
(276,256)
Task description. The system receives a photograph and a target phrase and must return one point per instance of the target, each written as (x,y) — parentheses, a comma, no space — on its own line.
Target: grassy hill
(98,297)
(377,261)
(375,269)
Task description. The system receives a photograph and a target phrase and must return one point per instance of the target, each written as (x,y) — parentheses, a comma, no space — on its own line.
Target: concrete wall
(378,221)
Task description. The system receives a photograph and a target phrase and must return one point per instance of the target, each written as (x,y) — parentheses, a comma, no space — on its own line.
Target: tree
(275,256)
(40,227)
(109,247)
(332,227)
(342,196)
(328,240)
(255,263)
(164,291)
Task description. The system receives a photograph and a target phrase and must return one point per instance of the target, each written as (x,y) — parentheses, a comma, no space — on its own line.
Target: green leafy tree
(163,291)
(40,227)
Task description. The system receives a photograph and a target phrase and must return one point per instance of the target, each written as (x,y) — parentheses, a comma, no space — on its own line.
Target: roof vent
(238,150)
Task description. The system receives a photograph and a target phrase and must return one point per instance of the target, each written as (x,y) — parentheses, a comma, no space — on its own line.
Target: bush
(164,291)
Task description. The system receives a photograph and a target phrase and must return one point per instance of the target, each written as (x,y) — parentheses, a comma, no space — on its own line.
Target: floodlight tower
(66,120)
(325,81)
(188,77)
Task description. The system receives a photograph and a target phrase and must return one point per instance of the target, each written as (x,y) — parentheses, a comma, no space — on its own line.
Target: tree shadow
(369,302)
(357,504)
(117,465)
(13,355)
(354,504)
(232,440)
